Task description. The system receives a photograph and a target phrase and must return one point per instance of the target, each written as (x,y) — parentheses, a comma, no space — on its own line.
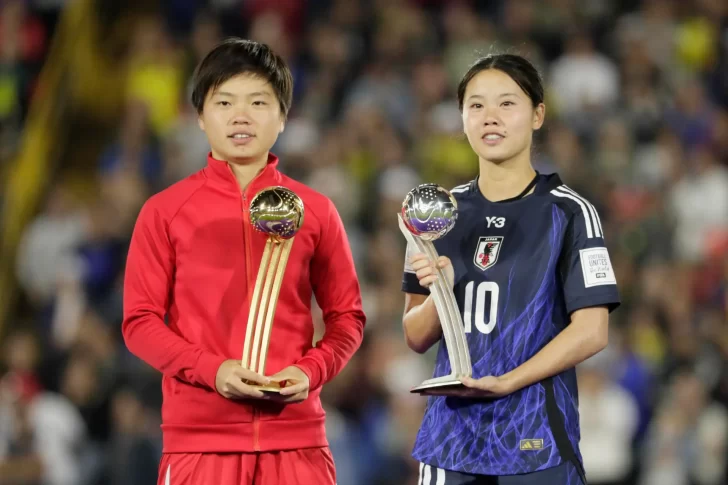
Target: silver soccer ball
(429,211)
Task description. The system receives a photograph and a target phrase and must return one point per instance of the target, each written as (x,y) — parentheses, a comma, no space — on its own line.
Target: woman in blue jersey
(532,277)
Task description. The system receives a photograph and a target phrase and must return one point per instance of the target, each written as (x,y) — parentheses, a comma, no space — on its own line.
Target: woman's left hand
(488,386)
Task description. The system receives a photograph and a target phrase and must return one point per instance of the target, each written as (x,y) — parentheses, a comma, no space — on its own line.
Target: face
(21,353)
(242,119)
(498,117)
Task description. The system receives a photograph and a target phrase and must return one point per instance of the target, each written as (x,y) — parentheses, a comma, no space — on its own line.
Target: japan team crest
(487,251)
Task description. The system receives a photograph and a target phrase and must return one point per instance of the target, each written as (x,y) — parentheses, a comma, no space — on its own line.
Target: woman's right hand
(426,270)
(235,382)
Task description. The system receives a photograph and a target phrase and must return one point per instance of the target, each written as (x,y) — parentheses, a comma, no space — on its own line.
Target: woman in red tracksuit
(193,261)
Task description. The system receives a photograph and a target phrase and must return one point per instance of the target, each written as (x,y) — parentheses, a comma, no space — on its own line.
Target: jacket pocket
(310,408)
(188,404)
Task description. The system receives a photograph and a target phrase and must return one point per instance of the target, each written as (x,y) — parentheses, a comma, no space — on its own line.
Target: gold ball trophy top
(277,212)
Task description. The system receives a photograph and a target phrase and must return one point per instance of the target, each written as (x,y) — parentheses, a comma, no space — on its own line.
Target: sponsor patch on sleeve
(597,267)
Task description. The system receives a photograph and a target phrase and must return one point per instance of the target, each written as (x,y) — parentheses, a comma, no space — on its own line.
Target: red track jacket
(193,259)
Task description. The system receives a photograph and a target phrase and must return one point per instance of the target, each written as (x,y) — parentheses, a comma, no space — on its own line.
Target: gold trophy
(278,213)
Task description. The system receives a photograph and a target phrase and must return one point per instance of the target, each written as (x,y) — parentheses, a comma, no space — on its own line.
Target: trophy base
(441,386)
(273,387)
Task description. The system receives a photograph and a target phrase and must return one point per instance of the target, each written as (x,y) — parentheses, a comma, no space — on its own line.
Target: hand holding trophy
(278,213)
(428,213)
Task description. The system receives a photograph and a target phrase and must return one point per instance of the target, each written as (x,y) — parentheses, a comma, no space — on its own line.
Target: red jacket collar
(220,171)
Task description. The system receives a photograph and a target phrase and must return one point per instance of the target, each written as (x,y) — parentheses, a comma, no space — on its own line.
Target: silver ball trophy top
(429,211)
(277,212)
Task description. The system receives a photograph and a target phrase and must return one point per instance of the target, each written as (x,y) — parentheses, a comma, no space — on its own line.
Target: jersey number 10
(486,292)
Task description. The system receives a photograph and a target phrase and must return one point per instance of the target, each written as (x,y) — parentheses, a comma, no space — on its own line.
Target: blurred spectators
(637,121)
(609,421)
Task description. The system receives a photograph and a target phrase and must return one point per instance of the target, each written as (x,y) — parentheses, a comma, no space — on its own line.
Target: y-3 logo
(495,221)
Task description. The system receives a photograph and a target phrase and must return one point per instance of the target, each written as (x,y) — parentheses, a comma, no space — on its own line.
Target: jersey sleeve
(148,281)
(410,283)
(587,275)
(337,290)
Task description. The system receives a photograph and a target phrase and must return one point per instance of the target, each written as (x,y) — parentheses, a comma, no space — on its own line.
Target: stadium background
(94,117)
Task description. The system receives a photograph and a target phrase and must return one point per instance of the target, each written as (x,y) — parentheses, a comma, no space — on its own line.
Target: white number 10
(481,324)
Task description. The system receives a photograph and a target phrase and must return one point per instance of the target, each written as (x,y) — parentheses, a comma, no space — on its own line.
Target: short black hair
(517,67)
(236,56)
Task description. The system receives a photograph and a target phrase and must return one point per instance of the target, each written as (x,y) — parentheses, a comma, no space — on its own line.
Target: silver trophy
(428,213)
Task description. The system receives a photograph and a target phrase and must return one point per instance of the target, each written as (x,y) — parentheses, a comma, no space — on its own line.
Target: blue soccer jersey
(521,268)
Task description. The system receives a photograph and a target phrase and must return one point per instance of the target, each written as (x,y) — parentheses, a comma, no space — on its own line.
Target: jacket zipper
(246,244)
(249,287)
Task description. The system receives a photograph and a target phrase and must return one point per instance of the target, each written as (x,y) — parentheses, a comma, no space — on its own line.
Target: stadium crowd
(637,122)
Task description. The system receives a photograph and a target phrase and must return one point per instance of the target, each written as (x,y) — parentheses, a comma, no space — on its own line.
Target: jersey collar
(219,171)
(544,184)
